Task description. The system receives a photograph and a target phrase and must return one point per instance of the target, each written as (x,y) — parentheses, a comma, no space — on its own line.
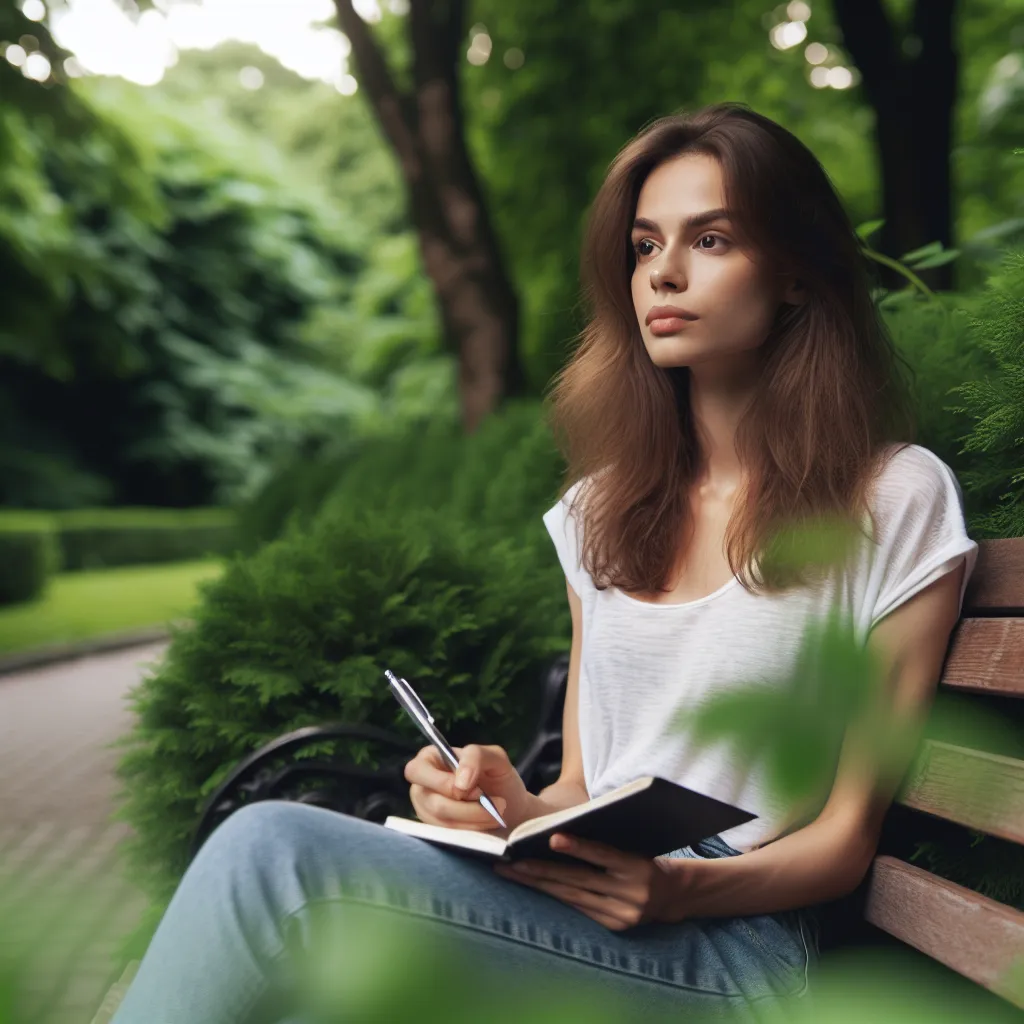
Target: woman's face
(700,269)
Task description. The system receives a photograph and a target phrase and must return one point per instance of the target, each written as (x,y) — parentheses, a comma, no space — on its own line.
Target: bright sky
(107,41)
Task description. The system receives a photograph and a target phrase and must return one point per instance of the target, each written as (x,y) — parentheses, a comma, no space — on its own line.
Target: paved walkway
(64,903)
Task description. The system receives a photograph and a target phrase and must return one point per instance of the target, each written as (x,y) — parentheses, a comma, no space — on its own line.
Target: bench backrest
(975,936)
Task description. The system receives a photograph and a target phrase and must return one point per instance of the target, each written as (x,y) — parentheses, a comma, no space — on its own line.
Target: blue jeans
(221,953)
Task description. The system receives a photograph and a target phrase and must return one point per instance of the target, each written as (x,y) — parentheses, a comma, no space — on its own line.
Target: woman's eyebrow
(695,221)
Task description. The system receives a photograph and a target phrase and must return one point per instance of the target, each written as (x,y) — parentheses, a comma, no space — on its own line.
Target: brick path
(64,903)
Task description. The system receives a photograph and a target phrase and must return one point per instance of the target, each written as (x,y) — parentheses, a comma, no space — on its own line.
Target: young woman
(734,376)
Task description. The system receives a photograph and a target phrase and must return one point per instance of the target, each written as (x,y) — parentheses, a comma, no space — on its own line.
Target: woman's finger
(610,908)
(569,874)
(427,770)
(611,923)
(440,810)
(594,853)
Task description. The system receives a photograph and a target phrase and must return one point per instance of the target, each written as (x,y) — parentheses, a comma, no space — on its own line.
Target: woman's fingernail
(500,804)
(462,778)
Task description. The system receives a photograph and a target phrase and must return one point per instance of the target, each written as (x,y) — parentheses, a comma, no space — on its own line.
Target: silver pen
(417,710)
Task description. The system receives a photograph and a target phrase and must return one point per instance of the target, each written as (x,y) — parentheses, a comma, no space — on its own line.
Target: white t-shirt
(643,662)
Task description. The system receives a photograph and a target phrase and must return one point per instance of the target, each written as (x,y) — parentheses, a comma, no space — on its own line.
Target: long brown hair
(830,399)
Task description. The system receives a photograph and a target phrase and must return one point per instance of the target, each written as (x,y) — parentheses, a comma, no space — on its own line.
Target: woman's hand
(632,890)
(442,797)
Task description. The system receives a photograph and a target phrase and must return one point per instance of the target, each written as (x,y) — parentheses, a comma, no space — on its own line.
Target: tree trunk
(911,83)
(460,250)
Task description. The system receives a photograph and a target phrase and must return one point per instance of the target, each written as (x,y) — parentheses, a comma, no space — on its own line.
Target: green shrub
(995,403)
(503,476)
(297,489)
(511,486)
(100,538)
(300,633)
(28,556)
(414,467)
(934,335)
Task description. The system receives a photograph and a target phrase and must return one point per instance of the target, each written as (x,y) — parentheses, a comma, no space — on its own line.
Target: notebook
(649,816)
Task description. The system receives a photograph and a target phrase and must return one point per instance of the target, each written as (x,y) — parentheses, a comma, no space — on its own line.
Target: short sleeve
(568,540)
(918,507)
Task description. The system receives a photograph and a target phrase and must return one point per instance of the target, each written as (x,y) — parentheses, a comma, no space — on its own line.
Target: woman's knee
(265,833)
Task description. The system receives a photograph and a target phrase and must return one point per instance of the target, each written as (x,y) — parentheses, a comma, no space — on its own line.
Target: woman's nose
(663,277)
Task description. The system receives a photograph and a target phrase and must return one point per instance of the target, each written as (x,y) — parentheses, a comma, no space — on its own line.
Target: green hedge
(29,553)
(106,537)
(100,538)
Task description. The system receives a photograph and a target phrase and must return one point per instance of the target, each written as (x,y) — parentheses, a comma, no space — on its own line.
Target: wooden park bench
(979,938)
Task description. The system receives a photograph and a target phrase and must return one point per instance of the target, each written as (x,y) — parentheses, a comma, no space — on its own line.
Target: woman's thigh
(515,928)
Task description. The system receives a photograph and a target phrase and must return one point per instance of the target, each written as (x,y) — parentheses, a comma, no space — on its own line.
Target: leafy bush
(996,403)
(28,555)
(97,538)
(177,305)
(300,633)
(967,351)
(502,477)
(296,489)
(933,335)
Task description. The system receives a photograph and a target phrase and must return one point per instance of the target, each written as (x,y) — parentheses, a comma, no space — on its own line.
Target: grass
(82,605)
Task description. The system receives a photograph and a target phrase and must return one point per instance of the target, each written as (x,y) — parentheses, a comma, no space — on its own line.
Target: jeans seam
(761,945)
(497,934)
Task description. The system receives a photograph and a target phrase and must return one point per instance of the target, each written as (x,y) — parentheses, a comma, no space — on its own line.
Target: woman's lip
(668,324)
(665,312)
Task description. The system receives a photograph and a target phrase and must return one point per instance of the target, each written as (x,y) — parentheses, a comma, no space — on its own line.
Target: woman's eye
(703,238)
(638,247)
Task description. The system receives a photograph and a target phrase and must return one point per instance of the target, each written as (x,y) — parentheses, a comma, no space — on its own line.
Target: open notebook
(650,816)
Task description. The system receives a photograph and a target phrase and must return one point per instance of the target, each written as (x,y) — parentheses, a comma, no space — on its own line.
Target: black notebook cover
(657,820)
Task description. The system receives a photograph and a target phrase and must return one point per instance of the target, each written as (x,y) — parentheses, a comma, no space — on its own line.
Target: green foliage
(991,866)
(181,307)
(996,403)
(297,490)
(501,478)
(28,556)
(97,538)
(934,337)
(300,633)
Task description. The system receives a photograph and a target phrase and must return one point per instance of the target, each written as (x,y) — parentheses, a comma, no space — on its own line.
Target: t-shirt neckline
(728,585)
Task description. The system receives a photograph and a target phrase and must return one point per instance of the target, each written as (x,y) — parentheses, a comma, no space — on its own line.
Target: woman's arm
(829,857)
(570,788)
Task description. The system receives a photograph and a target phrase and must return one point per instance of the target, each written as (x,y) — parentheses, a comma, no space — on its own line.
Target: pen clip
(415,696)
(408,696)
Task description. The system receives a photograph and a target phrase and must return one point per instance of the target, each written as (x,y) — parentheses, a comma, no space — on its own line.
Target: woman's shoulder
(914,489)
(581,489)
(907,470)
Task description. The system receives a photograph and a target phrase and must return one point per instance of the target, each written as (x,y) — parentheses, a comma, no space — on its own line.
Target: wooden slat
(977,937)
(997,583)
(973,788)
(986,656)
